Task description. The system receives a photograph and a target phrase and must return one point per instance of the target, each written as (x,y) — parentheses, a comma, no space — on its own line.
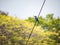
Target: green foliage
(14,31)
(49,23)
(30,19)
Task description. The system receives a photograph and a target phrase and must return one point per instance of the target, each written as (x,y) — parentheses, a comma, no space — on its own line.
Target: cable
(35,22)
(30,34)
(41,8)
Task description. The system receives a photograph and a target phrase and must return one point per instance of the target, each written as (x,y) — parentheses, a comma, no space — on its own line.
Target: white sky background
(26,8)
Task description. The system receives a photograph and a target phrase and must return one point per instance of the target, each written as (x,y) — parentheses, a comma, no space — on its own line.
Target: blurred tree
(14,31)
(3,13)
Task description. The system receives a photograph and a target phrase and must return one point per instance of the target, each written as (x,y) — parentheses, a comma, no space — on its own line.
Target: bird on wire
(36,19)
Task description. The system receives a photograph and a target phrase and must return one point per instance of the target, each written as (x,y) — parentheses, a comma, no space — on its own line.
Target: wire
(30,34)
(35,22)
(41,8)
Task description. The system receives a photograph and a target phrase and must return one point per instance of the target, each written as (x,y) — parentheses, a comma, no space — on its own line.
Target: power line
(35,22)
(41,8)
(30,34)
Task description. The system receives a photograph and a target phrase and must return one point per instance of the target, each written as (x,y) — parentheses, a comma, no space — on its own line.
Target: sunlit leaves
(14,31)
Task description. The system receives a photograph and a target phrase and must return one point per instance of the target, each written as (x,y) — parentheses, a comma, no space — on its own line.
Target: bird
(36,18)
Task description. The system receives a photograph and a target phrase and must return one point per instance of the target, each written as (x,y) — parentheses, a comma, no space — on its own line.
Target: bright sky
(26,8)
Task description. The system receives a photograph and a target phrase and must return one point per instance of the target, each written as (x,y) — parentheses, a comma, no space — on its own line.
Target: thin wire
(30,34)
(35,22)
(41,8)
